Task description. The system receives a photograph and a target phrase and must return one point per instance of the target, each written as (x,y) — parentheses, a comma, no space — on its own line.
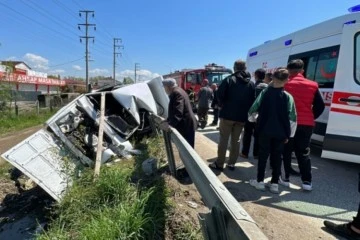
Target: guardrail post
(170,153)
(213,224)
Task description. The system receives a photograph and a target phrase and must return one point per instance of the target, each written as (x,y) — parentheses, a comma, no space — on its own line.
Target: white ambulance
(331,54)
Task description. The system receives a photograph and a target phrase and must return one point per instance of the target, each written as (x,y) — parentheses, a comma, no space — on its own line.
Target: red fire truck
(190,79)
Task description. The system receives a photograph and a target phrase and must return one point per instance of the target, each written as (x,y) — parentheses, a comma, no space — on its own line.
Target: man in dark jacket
(276,123)
(180,115)
(249,129)
(236,94)
(215,104)
(309,106)
(204,97)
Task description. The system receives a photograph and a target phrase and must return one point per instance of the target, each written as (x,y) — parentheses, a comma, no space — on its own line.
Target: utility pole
(87,37)
(137,65)
(116,40)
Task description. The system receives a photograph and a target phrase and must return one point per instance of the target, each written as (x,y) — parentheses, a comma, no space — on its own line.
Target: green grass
(4,169)
(10,122)
(122,203)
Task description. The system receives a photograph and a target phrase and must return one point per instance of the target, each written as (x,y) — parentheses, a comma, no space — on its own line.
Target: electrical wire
(53,18)
(62,64)
(69,11)
(33,20)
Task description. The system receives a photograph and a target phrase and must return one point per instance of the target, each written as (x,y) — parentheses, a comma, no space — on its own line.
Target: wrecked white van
(69,138)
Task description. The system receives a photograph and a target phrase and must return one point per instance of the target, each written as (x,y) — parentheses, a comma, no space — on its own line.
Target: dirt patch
(187,204)
(7,187)
(24,206)
(9,140)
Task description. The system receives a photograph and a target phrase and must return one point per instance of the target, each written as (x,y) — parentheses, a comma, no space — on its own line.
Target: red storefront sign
(19,78)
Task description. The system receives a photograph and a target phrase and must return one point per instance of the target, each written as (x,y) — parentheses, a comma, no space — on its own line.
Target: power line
(109,34)
(96,20)
(69,11)
(61,64)
(78,4)
(30,36)
(53,18)
(34,21)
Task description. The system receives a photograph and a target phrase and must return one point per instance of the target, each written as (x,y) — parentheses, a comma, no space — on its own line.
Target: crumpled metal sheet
(41,159)
(136,96)
(160,97)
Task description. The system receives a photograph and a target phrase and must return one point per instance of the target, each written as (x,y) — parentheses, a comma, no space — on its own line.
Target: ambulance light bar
(354,9)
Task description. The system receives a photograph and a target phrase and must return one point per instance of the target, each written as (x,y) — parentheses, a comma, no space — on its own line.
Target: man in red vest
(309,106)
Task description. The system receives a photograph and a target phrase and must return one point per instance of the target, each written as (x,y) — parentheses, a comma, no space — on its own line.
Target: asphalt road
(334,197)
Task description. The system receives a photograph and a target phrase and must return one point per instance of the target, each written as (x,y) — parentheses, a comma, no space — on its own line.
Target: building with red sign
(22,78)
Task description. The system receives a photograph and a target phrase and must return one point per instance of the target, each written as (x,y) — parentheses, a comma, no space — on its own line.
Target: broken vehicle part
(50,156)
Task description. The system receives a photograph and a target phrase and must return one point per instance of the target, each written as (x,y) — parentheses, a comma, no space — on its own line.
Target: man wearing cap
(180,114)
(204,97)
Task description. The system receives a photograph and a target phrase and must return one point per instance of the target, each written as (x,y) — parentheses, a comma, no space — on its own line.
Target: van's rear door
(342,138)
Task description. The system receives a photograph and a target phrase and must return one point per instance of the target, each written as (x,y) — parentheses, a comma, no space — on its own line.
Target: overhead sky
(160,35)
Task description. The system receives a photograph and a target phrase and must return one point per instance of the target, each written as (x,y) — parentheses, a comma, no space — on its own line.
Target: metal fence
(227,219)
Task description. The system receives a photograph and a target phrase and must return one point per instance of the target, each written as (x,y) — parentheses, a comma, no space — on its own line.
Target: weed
(115,206)
(10,123)
(5,169)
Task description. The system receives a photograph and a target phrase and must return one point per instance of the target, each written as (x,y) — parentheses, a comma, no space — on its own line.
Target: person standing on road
(236,94)
(249,129)
(349,230)
(309,106)
(204,97)
(215,105)
(180,115)
(276,123)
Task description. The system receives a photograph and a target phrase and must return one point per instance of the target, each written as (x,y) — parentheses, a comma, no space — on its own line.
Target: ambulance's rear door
(342,138)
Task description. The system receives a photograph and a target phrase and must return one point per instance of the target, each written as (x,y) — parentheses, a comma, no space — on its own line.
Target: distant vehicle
(190,79)
(331,54)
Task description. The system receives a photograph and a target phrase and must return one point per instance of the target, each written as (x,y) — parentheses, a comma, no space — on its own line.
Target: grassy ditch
(122,203)
(11,122)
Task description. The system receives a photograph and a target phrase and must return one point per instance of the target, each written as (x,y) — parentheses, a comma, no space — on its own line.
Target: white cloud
(141,75)
(57,71)
(98,71)
(12,58)
(76,67)
(36,61)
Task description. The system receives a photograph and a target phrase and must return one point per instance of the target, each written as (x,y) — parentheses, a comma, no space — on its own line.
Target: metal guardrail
(227,219)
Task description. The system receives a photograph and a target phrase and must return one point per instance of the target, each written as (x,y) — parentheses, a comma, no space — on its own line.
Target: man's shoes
(284,182)
(273,187)
(244,156)
(215,166)
(307,186)
(213,124)
(343,230)
(294,173)
(258,185)
(230,167)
